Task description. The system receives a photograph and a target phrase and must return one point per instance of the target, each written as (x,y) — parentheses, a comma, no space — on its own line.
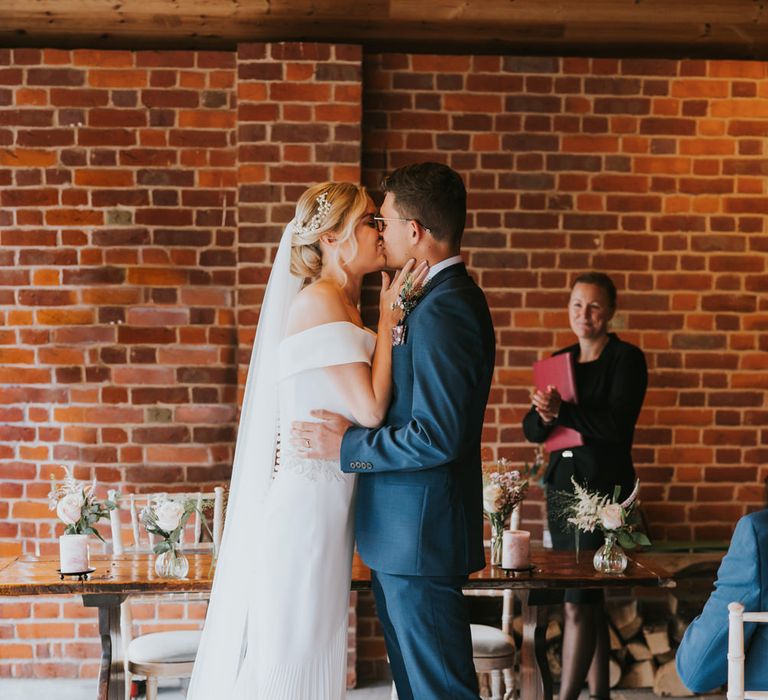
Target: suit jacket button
(369,465)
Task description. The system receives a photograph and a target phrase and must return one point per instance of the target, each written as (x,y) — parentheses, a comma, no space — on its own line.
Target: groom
(419,521)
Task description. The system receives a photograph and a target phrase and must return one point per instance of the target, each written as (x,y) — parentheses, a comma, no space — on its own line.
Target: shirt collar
(437,267)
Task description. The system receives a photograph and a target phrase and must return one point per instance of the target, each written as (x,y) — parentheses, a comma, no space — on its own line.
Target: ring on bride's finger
(308,443)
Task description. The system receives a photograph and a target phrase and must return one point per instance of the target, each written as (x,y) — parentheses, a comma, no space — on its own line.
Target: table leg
(535,678)
(112,673)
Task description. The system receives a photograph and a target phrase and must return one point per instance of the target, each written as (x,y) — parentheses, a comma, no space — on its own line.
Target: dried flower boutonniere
(407,300)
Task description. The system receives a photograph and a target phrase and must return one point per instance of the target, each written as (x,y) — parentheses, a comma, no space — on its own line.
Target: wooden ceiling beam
(718,28)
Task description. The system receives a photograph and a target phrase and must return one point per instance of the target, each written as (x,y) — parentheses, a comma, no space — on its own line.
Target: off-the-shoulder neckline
(324,325)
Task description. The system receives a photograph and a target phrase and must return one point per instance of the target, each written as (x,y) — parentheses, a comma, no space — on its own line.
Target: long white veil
(222,643)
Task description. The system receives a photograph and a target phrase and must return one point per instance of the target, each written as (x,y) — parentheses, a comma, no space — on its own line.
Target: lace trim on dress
(312,469)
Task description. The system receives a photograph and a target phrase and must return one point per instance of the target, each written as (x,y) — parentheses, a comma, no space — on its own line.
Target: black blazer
(610,393)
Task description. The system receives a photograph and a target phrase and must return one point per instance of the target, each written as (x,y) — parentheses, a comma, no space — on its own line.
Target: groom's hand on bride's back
(319,439)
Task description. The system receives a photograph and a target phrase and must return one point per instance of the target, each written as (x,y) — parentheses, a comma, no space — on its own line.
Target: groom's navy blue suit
(419,518)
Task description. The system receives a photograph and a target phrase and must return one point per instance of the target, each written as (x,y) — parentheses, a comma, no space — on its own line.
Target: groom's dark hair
(434,195)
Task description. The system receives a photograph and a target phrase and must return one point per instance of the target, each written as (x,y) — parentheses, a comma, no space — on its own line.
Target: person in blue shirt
(702,658)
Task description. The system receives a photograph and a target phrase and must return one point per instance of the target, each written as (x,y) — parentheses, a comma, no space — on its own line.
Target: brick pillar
(299,123)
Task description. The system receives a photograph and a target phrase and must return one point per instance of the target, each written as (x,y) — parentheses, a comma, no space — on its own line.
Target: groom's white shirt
(453,260)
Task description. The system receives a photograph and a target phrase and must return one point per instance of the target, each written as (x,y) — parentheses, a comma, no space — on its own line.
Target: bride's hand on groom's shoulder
(319,439)
(410,277)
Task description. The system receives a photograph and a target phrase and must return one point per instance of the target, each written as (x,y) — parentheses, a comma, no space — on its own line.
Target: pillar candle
(73,554)
(516,549)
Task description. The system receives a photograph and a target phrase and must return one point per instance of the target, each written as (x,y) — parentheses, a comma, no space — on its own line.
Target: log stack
(644,647)
(644,635)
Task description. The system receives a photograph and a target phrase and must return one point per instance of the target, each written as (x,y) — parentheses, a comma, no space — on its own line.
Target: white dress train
(297,622)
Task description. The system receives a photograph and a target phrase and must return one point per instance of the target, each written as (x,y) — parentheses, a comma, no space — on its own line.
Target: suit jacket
(419,496)
(610,395)
(743,578)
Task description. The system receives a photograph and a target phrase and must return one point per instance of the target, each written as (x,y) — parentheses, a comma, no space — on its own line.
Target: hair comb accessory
(317,220)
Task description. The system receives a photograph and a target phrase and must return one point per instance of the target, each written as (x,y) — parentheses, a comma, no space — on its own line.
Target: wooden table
(116,578)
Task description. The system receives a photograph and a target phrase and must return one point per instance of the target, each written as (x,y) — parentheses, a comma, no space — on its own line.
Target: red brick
(300,51)
(106,78)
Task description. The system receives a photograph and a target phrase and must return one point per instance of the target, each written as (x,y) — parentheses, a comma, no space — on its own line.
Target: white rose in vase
(70,508)
(168,515)
(611,517)
(492,497)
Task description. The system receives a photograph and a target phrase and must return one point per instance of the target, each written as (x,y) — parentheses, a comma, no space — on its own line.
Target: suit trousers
(426,630)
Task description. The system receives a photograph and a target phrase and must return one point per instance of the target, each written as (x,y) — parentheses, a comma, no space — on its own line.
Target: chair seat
(164,647)
(490,641)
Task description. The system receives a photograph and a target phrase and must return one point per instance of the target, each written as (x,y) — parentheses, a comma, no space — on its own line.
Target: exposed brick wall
(651,170)
(143,194)
(118,185)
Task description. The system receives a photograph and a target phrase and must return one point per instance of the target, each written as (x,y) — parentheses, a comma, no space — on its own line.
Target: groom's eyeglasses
(381,222)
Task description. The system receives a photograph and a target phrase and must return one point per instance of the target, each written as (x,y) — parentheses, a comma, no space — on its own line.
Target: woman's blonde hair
(329,206)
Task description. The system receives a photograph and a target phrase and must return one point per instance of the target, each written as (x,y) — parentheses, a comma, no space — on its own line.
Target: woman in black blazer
(611,379)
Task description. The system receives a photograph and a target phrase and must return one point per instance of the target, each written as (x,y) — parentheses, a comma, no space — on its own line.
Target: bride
(276,627)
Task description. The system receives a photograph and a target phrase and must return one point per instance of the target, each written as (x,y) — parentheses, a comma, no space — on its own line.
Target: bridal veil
(223,639)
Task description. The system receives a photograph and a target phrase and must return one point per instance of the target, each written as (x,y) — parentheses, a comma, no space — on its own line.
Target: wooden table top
(134,573)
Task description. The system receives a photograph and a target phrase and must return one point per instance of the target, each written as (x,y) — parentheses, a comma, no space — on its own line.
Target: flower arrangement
(586,510)
(76,505)
(166,517)
(503,489)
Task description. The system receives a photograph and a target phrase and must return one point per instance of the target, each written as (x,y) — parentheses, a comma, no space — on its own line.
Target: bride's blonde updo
(329,206)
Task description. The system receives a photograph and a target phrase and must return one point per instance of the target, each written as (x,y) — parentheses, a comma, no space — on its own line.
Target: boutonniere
(407,300)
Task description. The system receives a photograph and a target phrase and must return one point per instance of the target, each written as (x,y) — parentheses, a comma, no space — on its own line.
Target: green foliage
(170,538)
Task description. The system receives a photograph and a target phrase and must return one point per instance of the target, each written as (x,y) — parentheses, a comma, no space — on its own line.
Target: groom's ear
(417,232)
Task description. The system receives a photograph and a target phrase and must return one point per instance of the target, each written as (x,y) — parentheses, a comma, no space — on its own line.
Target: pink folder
(558,371)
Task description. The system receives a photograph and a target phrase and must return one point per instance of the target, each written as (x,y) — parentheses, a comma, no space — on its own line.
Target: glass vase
(171,564)
(610,558)
(497,537)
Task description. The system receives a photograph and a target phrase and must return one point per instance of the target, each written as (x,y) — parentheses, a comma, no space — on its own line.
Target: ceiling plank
(717,28)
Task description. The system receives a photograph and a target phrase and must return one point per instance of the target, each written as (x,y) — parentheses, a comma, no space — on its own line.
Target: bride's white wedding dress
(297,627)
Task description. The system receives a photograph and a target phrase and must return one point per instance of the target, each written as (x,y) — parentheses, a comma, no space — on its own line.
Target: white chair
(736,619)
(493,653)
(168,654)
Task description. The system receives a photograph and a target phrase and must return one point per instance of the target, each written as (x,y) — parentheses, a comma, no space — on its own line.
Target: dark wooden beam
(697,28)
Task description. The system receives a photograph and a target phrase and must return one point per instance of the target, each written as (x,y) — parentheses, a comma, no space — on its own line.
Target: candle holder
(81,575)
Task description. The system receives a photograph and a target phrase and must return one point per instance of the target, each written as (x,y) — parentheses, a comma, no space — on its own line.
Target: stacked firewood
(643,646)
(644,635)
